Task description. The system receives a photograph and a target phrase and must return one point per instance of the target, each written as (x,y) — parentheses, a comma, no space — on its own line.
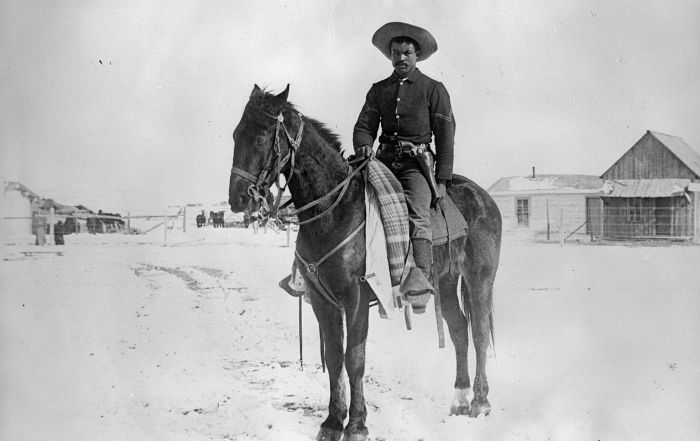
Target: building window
(635,210)
(522,212)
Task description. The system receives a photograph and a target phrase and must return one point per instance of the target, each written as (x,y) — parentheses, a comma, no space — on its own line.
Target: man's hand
(442,189)
(363,152)
(442,193)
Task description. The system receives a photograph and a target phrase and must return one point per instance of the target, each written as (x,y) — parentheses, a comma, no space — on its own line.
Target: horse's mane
(261,107)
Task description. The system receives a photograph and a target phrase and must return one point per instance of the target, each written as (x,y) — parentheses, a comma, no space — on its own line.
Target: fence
(55,225)
(643,218)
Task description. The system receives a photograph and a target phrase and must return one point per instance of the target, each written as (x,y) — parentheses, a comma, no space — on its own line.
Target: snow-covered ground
(120,338)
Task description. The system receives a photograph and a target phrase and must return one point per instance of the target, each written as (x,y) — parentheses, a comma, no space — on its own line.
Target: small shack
(645,193)
(18,205)
(537,204)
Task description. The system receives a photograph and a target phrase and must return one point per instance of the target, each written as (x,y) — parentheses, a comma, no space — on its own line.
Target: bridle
(260,185)
(276,161)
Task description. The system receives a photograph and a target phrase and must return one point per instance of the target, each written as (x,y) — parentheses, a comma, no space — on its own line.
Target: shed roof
(644,188)
(683,151)
(21,188)
(547,184)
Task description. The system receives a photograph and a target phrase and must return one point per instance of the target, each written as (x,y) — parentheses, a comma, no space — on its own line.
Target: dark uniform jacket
(413,109)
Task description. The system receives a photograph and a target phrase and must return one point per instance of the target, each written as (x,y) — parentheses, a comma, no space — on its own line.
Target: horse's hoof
(480,408)
(460,410)
(326,434)
(355,437)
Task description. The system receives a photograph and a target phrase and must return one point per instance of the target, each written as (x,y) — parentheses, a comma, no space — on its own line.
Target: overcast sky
(130,105)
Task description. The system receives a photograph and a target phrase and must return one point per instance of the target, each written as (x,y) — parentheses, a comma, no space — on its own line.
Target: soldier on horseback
(411,109)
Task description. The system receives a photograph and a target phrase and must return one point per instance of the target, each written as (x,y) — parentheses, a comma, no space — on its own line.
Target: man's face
(403,58)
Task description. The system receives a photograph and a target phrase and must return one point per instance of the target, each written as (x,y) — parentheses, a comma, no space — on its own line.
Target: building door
(663,216)
(522,212)
(594,213)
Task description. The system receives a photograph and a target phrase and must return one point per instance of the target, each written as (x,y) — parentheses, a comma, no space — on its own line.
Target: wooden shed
(18,205)
(645,193)
(536,204)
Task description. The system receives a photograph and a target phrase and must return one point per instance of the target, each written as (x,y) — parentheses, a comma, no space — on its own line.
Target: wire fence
(640,220)
(48,228)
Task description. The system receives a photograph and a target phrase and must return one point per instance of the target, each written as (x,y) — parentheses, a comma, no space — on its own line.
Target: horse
(273,138)
(201,220)
(112,222)
(94,225)
(219,219)
(71,226)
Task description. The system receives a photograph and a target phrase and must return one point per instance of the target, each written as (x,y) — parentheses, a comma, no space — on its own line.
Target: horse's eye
(260,139)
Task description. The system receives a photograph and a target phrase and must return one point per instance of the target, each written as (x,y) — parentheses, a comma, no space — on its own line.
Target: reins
(260,188)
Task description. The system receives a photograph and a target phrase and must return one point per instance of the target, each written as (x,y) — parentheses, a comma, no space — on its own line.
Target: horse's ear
(256,91)
(281,98)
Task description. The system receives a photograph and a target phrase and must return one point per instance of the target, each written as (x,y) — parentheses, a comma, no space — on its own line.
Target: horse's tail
(466,302)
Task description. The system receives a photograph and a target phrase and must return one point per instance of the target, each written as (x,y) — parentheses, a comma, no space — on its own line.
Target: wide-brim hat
(382,38)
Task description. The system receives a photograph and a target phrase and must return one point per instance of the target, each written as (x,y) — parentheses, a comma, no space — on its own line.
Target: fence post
(184,219)
(561,226)
(165,228)
(547,219)
(52,219)
(695,188)
(128,222)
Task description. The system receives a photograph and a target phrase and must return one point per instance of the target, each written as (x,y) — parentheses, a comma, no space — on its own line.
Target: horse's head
(256,153)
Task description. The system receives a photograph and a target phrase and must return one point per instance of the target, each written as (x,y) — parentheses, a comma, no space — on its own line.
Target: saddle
(447,222)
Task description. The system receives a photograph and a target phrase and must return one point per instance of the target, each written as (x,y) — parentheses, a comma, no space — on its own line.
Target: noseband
(260,185)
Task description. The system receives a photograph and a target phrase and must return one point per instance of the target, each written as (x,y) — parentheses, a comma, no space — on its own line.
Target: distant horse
(94,225)
(112,222)
(216,218)
(71,226)
(201,220)
(270,140)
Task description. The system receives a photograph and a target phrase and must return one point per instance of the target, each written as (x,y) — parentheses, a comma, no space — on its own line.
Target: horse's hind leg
(459,333)
(481,271)
(331,321)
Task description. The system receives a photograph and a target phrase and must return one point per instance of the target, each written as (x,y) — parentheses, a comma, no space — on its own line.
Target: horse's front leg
(331,321)
(357,319)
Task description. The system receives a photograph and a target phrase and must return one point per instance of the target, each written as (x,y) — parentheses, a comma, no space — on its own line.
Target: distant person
(39,229)
(58,231)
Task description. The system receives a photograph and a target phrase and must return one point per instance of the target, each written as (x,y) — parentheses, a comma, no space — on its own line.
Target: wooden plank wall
(648,159)
(574,206)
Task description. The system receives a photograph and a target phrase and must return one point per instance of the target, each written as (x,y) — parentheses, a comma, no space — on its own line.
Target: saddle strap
(312,268)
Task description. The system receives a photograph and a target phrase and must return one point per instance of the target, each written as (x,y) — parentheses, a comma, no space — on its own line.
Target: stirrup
(284,284)
(417,290)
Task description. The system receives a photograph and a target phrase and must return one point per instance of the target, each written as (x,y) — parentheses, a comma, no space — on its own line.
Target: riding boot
(416,287)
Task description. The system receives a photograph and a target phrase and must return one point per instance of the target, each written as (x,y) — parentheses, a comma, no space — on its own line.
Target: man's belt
(424,157)
(408,148)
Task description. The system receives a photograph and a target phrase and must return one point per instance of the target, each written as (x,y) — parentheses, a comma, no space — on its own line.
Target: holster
(425,160)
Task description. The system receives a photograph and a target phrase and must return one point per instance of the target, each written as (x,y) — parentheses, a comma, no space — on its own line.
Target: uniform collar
(413,76)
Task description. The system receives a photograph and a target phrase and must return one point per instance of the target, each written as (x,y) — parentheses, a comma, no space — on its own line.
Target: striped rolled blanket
(394,215)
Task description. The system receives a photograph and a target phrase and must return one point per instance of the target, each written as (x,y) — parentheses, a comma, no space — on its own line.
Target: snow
(121,338)
(521,184)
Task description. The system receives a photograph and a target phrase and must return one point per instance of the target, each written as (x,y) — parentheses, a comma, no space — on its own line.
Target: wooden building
(18,205)
(645,193)
(536,204)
